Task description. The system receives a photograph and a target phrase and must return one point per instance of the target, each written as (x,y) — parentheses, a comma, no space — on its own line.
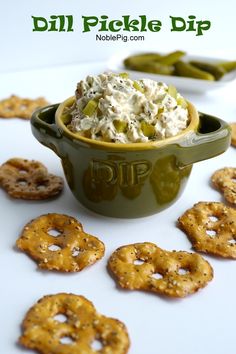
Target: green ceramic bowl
(129,180)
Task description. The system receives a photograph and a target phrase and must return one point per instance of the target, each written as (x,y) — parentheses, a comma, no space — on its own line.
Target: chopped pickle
(126,111)
(120,125)
(90,108)
(172,91)
(181,101)
(138,87)
(66,118)
(124,75)
(147,129)
(66,115)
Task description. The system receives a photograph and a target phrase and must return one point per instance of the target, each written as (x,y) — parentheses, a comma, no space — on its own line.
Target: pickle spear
(171,58)
(188,70)
(140,59)
(228,65)
(171,64)
(217,71)
(154,68)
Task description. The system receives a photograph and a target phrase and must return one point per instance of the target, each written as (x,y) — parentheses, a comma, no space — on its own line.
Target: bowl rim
(192,127)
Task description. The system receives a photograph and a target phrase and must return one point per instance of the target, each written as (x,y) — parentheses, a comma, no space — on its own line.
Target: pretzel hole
(41,187)
(96,345)
(213,218)
(232,242)
(182,271)
(22,182)
(54,232)
(54,248)
(211,233)
(233,180)
(66,340)
(23,106)
(138,262)
(157,276)
(22,171)
(75,252)
(60,318)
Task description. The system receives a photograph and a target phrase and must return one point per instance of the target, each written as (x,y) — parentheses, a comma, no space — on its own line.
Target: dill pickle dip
(114,108)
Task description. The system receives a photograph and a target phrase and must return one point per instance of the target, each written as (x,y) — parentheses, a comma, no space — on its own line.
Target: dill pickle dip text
(114,108)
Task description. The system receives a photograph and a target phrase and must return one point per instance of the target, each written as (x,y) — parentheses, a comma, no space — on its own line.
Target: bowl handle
(211,139)
(44,128)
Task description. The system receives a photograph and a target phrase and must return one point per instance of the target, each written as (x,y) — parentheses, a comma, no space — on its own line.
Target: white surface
(25,49)
(182,83)
(201,323)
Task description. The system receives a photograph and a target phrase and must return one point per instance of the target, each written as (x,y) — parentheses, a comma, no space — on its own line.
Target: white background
(22,48)
(200,324)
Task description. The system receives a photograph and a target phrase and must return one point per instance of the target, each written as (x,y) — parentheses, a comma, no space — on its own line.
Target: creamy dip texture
(114,108)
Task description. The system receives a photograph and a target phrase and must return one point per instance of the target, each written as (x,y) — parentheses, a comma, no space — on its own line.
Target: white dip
(114,108)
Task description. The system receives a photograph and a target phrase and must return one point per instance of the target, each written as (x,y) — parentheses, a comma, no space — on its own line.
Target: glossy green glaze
(131,180)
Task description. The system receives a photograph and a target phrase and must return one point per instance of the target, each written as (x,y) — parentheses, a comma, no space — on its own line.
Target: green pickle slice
(120,125)
(67,114)
(138,87)
(182,102)
(90,108)
(124,75)
(172,91)
(147,129)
